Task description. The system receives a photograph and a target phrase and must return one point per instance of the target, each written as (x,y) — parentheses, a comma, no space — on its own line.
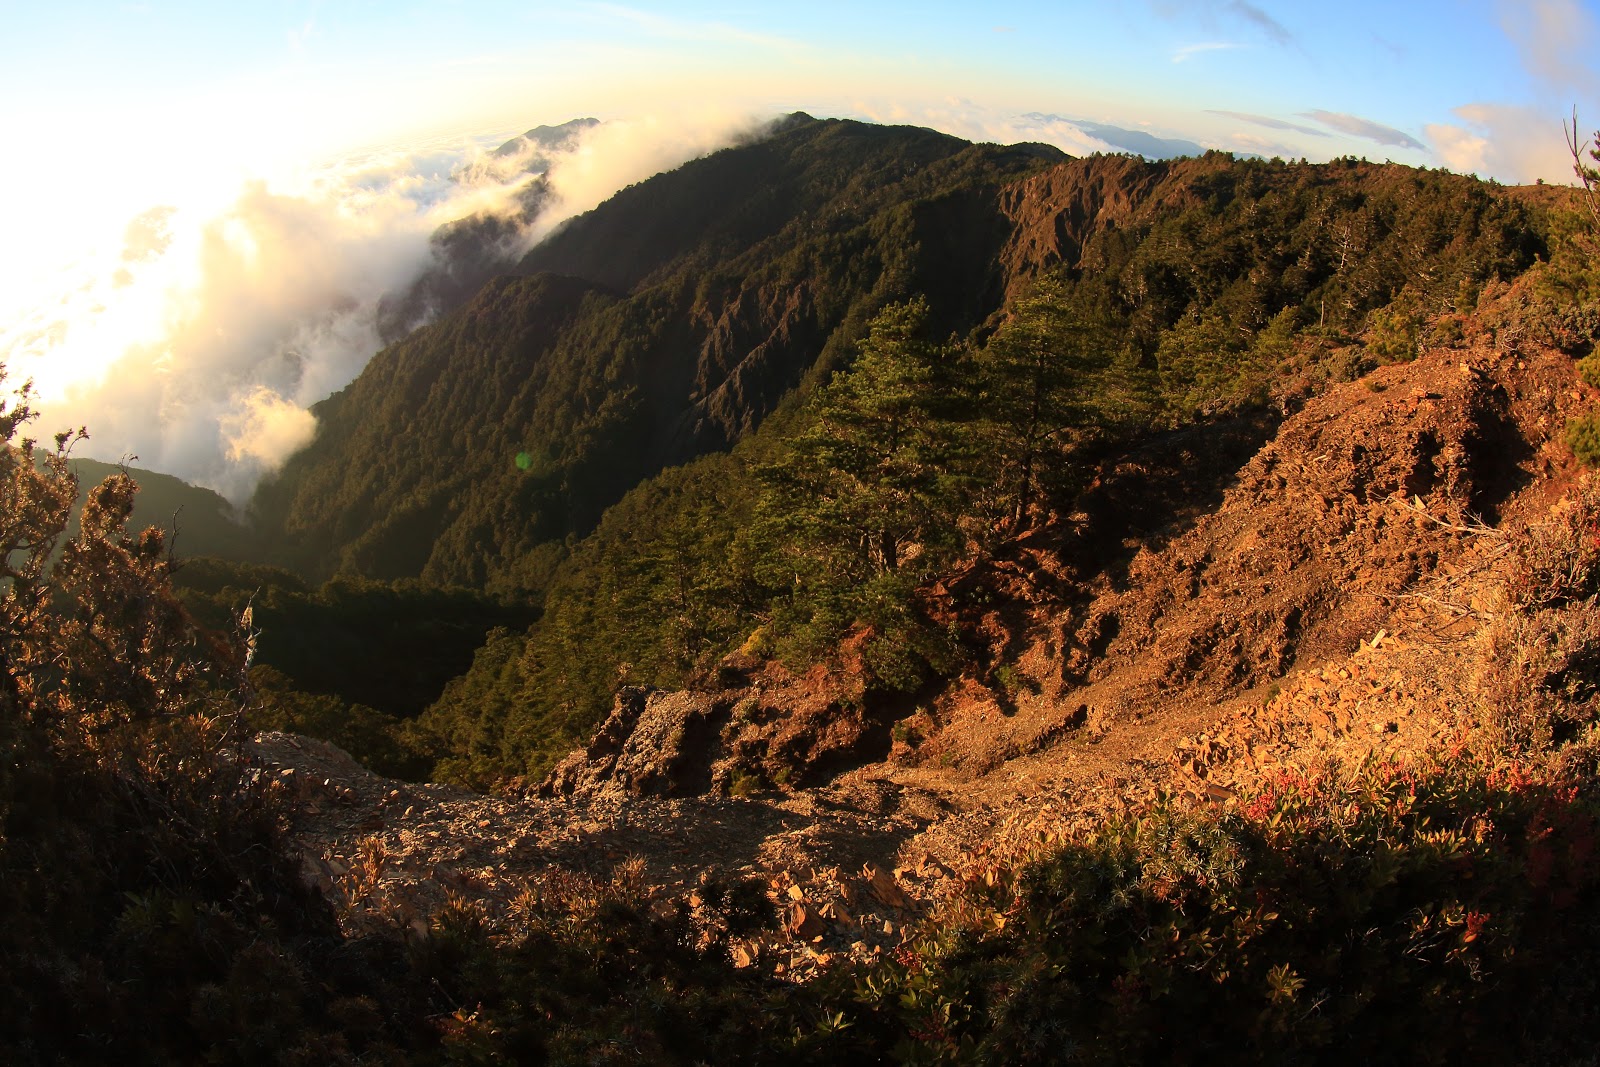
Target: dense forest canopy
(1224,287)
(784,439)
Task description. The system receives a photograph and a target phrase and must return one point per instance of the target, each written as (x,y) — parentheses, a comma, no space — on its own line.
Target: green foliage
(1589,370)
(1419,913)
(1570,280)
(391,646)
(1582,435)
(1324,246)
(653,597)
(1046,380)
(859,503)
(1394,332)
(864,482)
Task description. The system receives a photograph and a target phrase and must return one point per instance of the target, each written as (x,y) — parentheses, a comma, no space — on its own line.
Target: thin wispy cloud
(1356,126)
(301,35)
(1262,21)
(1211,11)
(1270,123)
(1396,52)
(1555,40)
(1188,51)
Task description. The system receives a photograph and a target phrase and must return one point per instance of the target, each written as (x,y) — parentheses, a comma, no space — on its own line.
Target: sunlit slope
(673,319)
(668,322)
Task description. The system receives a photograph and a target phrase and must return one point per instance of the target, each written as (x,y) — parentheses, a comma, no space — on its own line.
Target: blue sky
(204,203)
(1457,81)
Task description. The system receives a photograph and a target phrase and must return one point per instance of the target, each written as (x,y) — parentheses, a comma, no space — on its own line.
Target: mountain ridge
(694,333)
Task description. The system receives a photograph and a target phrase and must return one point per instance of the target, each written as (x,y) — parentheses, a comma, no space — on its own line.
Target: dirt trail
(1328,606)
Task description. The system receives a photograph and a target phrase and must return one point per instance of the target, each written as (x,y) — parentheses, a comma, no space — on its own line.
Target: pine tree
(862,503)
(867,484)
(1043,378)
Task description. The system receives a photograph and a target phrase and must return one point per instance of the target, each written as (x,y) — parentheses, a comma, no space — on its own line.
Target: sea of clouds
(197,340)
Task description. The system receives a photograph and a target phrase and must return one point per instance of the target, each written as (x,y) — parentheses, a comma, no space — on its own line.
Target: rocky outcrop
(1362,493)
(652,744)
(779,732)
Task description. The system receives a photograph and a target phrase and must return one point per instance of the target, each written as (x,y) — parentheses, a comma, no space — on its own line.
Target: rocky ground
(1322,596)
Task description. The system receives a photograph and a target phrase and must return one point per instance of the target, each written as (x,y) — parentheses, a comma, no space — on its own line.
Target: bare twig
(1588,177)
(1475,526)
(1455,609)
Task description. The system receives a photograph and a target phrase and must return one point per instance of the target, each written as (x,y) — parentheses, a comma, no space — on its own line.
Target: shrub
(1425,912)
(1589,370)
(1583,437)
(149,904)
(1540,673)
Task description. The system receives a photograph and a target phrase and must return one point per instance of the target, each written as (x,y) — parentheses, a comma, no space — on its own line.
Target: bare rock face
(781,731)
(652,744)
(1363,492)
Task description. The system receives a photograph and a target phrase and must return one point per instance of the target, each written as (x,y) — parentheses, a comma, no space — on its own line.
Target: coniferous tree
(867,485)
(862,502)
(1042,379)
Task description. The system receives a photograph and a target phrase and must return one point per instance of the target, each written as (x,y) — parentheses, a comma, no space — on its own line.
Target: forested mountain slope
(197,521)
(666,323)
(671,320)
(1197,301)
(1193,658)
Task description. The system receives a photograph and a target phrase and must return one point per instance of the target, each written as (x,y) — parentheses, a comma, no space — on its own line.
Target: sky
(201,203)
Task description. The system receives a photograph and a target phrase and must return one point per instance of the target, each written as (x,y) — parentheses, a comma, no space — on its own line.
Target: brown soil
(1324,600)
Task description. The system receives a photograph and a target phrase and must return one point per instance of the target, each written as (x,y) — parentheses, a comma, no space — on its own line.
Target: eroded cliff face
(1286,558)
(1054,214)
(1340,595)
(675,318)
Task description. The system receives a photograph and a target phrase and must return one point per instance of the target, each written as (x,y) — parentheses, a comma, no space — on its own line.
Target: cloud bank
(1356,126)
(1555,40)
(1519,144)
(199,341)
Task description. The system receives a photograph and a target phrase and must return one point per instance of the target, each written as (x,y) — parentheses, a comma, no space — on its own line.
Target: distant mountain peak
(1136,142)
(550,137)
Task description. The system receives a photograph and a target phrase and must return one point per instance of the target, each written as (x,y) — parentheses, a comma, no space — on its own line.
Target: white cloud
(1512,144)
(1556,41)
(198,340)
(974,122)
(259,431)
(622,152)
